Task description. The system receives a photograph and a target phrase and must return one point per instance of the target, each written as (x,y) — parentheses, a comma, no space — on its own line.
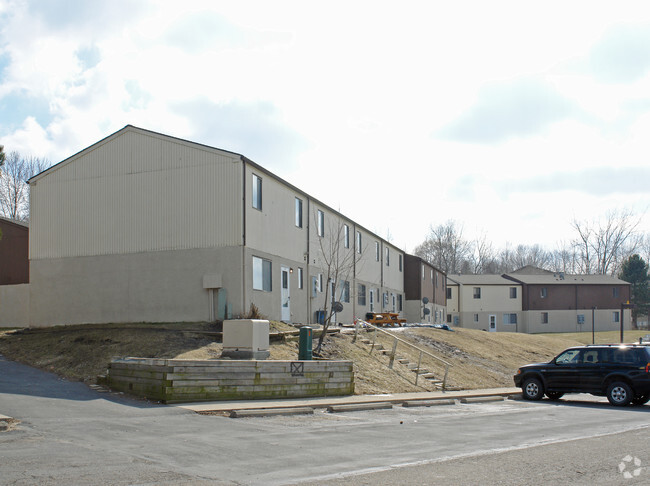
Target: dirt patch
(8,424)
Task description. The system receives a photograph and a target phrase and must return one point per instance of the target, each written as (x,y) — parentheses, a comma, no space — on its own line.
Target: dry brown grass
(478,359)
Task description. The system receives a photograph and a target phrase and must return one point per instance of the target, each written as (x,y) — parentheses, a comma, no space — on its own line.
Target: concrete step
(403,361)
(428,376)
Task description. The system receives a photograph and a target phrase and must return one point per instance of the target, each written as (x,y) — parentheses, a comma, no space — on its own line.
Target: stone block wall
(176,380)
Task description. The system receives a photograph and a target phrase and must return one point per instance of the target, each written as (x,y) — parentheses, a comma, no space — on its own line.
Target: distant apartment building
(425,288)
(489,302)
(14,273)
(535,301)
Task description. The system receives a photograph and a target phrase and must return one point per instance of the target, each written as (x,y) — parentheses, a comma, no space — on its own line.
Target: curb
(263,412)
(482,399)
(359,407)
(429,403)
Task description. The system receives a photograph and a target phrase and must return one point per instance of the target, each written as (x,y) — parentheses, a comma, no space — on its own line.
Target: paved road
(70,434)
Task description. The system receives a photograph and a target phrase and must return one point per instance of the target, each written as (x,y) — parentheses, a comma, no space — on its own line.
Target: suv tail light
(647,368)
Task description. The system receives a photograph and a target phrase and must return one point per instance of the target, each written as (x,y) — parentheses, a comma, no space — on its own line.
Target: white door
(493,323)
(285,295)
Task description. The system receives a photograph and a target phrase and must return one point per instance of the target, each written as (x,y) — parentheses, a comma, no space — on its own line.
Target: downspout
(308,259)
(354,272)
(243,236)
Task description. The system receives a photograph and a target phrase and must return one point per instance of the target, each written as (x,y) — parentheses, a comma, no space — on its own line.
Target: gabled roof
(564,279)
(482,279)
(530,270)
(23,224)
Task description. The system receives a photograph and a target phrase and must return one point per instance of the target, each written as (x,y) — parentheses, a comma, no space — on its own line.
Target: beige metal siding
(137,192)
(273,227)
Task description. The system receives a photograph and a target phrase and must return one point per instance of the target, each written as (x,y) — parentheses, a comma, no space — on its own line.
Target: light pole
(624,306)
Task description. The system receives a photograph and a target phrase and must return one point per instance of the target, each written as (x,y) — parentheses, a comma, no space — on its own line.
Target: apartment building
(142,226)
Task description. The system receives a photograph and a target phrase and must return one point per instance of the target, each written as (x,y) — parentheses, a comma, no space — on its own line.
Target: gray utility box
(246,339)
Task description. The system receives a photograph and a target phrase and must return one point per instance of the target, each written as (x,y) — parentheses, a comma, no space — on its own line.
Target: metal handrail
(359,322)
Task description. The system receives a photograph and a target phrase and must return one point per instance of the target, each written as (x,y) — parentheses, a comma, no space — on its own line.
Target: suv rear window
(624,355)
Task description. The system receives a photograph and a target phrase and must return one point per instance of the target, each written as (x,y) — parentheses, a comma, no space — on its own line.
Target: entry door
(493,323)
(285,295)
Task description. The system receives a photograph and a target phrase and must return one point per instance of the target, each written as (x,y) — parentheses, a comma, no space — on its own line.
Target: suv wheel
(619,393)
(532,389)
(641,399)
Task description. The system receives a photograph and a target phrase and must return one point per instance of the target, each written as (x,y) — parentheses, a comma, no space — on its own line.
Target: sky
(511,118)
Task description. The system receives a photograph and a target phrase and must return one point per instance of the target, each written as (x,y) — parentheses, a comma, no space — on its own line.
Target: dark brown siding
(415,287)
(578,296)
(14,253)
(412,278)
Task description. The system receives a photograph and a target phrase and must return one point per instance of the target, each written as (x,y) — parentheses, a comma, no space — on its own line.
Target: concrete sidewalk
(325,402)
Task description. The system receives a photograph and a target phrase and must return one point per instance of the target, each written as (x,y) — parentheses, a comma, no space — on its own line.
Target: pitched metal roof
(482,279)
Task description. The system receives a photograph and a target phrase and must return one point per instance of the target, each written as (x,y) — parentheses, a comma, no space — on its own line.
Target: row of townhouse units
(145,227)
(533,300)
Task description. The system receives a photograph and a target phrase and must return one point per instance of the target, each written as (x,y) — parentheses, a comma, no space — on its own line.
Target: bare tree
(338,258)
(445,248)
(483,258)
(14,190)
(601,246)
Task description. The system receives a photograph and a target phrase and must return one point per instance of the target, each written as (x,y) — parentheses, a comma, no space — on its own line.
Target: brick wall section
(177,381)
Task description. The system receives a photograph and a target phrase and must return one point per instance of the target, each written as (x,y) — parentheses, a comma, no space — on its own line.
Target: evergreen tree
(635,271)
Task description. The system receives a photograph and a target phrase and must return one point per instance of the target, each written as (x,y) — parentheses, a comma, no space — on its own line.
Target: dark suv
(621,372)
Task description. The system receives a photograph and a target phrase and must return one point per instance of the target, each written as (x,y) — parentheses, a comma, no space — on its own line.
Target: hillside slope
(477,359)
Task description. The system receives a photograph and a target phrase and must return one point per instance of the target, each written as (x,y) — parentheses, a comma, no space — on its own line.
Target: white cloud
(342,99)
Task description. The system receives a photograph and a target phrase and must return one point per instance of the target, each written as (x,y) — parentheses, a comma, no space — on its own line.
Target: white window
(299,213)
(300,278)
(475,317)
(422,272)
(616,315)
(477,292)
(400,303)
(510,318)
(513,292)
(346,236)
(359,244)
(321,223)
(257,192)
(262,274)
(394,301)
(544,317)
(320,282)
(387,257)
(345,293)
(361,297)
(449,292)
(615,292)
(400,262)
(431,274)
(543,293)
(377,250)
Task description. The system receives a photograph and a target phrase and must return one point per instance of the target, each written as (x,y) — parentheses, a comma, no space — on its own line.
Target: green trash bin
(304,343)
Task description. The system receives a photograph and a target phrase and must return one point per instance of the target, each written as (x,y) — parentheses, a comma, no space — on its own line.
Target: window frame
(263,281)
(346,236)
(513,292)
(320,223)
(476,292)
(298,212)
(256,193)
(361,294)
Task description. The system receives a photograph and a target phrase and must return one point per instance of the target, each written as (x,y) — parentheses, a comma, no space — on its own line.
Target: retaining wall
(177,380)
